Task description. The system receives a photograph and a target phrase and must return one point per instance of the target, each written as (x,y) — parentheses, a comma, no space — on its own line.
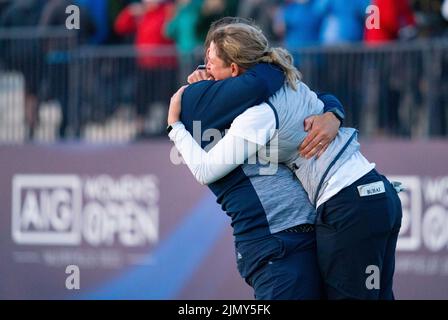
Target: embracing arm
(322,129)
(229,152)
(251,88)
(217,103)
(208,167)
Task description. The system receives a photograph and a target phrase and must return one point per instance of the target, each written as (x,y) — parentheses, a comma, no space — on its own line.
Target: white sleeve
(230,152)
(256,124)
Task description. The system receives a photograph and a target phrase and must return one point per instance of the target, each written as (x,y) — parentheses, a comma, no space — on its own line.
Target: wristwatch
(169,128)
(338,114)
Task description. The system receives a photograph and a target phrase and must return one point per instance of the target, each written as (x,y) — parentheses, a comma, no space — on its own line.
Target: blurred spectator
(57,52)
(182,29)
(263,13)
(114,9)
(396,20)
(24,55)
(4,4)
(343,20)
(299,22)
(104,14)
(147,20)
(98,11)
(429,17)
(213,10)
(156,60)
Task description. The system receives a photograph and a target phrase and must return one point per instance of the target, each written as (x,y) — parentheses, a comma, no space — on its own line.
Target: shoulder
(257,124)
(259,117)
(197,88)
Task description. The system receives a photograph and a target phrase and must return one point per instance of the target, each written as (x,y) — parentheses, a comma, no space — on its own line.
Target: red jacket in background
(150,35)
(394,14)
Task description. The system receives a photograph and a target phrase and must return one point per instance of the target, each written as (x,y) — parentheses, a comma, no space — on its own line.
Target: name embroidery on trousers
(371,189)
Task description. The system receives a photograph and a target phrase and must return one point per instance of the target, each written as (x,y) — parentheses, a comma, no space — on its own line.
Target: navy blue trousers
(356,241)
(282,266)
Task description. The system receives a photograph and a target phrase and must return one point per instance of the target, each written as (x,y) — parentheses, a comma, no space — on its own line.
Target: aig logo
(98,210)
(46,209)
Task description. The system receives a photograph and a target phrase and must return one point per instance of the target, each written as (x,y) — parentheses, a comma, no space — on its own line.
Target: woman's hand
(321,130)
(175,106)
(199,75)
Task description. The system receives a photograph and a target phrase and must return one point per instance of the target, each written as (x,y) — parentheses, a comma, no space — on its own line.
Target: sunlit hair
(245,45)
(223,22)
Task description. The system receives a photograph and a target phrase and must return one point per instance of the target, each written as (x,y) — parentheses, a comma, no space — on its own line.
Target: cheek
(222,73)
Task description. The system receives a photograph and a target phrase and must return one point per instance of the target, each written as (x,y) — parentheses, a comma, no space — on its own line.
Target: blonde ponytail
(282,58)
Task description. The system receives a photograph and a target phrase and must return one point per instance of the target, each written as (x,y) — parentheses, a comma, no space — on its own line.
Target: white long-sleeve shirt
(232,150)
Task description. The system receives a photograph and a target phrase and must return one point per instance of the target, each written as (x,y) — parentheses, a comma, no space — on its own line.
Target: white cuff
(177,126)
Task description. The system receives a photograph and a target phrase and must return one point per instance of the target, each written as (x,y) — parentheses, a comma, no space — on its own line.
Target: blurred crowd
(183,24)
(295,23)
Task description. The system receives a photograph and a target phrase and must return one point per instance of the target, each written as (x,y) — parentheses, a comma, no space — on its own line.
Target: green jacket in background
(182,29)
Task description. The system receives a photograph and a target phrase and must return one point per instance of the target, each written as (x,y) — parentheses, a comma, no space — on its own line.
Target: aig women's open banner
(125,222)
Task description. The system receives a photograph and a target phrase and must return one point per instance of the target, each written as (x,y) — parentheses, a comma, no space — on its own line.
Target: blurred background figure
(429,15)
(156,62)
(298,22)
(213,10)
(98,13)
(130,55)
(343,21)
(182,29)
(342,25)
(23,55)
(263,12)
(58,59)
(384,91)
(397,20)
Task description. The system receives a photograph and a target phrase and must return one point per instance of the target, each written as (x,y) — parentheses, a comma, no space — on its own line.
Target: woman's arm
(207,167)
(322,129)
(217,103)
(231,151)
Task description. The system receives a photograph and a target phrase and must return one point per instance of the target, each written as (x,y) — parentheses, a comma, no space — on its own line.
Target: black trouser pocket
(255,254)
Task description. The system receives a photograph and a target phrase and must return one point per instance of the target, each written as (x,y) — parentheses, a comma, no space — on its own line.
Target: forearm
(208,167)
